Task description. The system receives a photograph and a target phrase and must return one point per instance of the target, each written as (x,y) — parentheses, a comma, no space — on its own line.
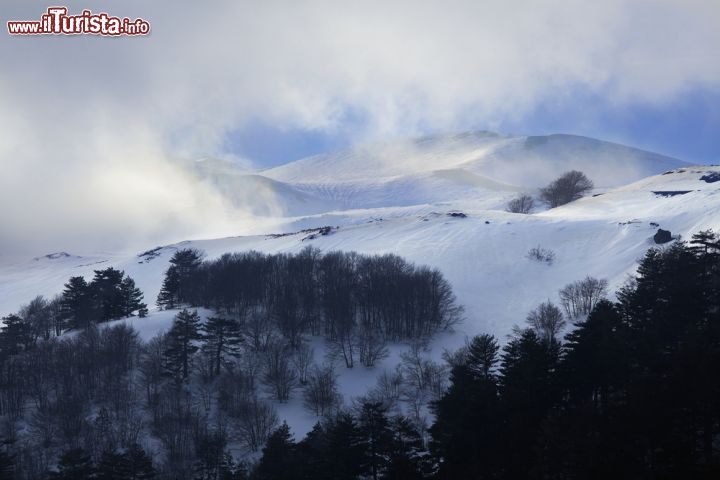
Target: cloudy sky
(92,127)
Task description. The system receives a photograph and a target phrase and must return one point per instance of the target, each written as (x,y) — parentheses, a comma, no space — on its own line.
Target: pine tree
(131,297)
(705,242)
(179,285)
(596,356)
(278,459)
(181,344)
(345,449)
(468,424)
(408,460)
(76,307)
(168,296)
(375,428)
(312,453)
(113,466)
(139,465)
(211,455)
(107,293)
(528,390)
(15,336)
(222,339)
(229,470)
(74,464)
(482,354)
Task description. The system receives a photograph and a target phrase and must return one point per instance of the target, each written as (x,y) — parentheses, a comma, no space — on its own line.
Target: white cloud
(90,125)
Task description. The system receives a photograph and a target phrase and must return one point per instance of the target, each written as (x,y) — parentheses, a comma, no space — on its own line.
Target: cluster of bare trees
(71,392)
(411,386)
(357,302)
(523,203)
(185,395)
(579,298)
(103,392)
(568,187)
(540,254)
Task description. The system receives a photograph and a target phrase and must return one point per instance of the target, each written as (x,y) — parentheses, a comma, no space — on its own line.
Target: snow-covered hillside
(406,206)
(446,167)
(476,165)
(483,254)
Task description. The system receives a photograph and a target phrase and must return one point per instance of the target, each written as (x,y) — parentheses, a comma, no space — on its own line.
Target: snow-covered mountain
(475,165)
(404,198)
(395,197)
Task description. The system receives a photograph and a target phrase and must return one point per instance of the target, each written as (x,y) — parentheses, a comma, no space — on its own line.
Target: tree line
(110,295)
(356,301)
(631,391)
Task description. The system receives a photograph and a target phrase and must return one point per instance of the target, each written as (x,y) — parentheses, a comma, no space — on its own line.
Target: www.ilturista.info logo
(57,22)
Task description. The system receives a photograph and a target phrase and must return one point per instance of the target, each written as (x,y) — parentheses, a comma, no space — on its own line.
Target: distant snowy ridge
(430,169)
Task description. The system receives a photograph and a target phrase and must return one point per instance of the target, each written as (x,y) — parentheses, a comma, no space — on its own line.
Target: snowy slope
(431,169)
(527,161)
(483,255)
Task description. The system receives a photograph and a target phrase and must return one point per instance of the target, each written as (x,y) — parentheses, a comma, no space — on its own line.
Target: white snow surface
(396,198)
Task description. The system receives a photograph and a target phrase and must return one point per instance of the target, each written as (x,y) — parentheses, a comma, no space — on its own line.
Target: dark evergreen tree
(375,429)
(529,390)
(345,449)
(211,456)
(182,344)
(131,298)
(311,454)
(408,459)
(180,284)
(230,470)
(278,461)
(76,306)
(222,339)
(139,465)
(107,293)
(596,357)
(75,464)
(468,426)
(168,296)
(482,354)
(15,336)
(113,466)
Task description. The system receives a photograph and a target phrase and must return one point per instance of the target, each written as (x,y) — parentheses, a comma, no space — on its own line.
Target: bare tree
(152,373)
(258,331)
(256,421)
(523,203)
(540,254)
(302,358)
(579,298)
(547,320)
(371,345)
(235,389)
(320,393)
(279,376)
(566,188)
(39,316)
(389,388)
(421,374)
